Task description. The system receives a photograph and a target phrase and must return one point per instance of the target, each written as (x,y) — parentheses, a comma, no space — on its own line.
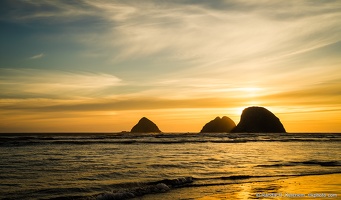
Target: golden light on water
(310,187)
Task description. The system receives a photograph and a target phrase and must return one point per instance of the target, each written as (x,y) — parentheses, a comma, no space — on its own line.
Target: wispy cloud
(38,56)
(220,33)
(207,35)
(221,36)
(35,83)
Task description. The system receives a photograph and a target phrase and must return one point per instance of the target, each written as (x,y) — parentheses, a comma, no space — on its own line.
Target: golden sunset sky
(100,65)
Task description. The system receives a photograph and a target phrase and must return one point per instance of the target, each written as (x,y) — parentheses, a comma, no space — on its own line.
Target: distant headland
(253,120)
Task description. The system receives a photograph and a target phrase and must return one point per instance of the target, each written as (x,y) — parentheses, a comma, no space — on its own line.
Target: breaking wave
(305,163)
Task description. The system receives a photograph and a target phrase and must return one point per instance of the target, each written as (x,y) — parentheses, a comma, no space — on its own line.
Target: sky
(101,65)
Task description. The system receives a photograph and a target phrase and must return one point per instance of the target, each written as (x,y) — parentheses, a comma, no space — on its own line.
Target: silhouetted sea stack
(258,120)
(219,125)
(145,126)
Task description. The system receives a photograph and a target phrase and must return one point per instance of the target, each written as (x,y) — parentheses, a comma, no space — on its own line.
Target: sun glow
(250,89)
(250,92)
(237,111)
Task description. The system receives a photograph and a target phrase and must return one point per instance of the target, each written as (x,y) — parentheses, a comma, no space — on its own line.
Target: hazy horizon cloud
(38,83)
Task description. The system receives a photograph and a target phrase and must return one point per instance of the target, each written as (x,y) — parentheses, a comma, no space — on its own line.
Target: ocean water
(123,166)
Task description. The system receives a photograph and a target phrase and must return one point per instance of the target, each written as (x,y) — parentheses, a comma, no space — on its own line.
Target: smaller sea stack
(219,125)
(258,120)
(145,126)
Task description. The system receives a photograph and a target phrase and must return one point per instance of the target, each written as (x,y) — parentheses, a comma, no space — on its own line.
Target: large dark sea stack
(219,125)
(258,120)
(145,126)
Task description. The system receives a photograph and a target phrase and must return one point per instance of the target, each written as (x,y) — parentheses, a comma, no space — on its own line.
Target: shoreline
(326,186)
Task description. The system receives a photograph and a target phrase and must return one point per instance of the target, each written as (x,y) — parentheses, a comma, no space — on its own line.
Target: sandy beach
(302,187)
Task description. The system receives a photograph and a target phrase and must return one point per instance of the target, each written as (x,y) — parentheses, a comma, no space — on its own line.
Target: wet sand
(302,187)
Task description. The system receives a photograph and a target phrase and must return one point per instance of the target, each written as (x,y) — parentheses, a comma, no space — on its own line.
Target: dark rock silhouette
(145,126)
(258,120)
(219,125)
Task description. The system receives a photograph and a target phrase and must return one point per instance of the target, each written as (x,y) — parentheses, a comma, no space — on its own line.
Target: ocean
(152,166)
